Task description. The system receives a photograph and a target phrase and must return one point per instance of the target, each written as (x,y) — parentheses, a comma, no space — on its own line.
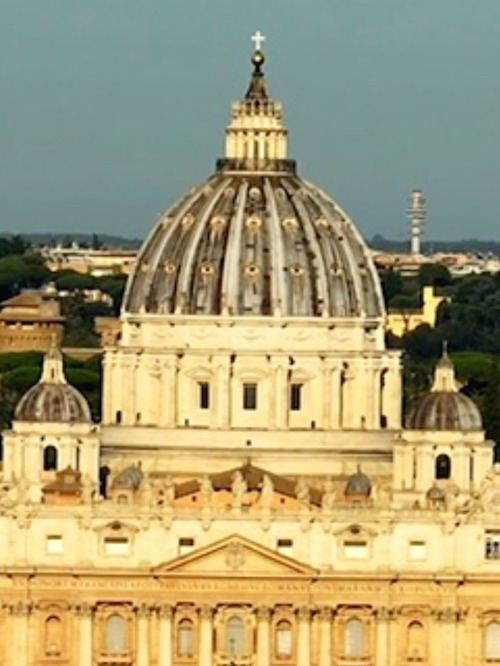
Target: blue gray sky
(111,109)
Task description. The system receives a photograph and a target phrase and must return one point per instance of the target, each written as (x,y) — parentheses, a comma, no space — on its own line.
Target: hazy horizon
(112,110)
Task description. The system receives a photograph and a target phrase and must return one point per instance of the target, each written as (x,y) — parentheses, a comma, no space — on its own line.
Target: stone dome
(358,484)
(52,399)
(255,239)
(130,478)
(444,407)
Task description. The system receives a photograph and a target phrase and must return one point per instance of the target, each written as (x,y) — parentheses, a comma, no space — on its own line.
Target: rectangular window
(116,546)
(54,545)
(284,546)
(249,396)
(417,551)
(355,550)
(204,395)
(185,545)
(492,545)
(296,397)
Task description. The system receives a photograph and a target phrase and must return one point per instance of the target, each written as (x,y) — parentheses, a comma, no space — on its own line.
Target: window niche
(50,458)
(53,639)
(283,639)
(355,543)
(115,634)
(354,637)
(492,641)
(296,397)
(442,467)
(185,633)
(185,638)
(203,395)
(116,539)
(492,544)
(249,396)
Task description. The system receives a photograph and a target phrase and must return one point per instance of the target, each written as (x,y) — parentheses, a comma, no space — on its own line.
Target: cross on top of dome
(257,38)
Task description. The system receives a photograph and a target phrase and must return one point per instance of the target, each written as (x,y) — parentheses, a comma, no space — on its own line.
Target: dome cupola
(358,485)
(52,399)
(444,407)
(255,239)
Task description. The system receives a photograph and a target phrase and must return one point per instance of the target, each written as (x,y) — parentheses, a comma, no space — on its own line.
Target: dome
(53,399)
(130,478)
(444,407)
(255,239)
(358,484)
(436,494)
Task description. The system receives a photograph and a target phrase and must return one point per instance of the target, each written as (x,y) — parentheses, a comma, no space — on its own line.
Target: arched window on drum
(49,458)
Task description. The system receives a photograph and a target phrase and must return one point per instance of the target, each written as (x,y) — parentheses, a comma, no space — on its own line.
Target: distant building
(401,321)
(85,260)
(31,321)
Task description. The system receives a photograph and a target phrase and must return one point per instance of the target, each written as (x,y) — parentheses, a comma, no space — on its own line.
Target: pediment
(239,556)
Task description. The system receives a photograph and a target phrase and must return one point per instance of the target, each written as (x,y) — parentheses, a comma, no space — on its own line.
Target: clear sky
(111,109)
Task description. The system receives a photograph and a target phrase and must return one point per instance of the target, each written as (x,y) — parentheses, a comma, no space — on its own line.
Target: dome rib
(232,259)
(279,296)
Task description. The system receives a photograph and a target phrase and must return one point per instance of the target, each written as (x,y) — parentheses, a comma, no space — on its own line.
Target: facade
(30,320)
(251,497)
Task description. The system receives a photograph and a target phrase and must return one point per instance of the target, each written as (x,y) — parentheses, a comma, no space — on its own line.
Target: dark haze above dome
(254,238)
(52,399)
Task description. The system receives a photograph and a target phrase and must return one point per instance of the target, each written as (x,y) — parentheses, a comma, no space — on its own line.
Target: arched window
(185,641)
(235,636)
(492,641)
(49,458)
(415,640)
(114,638)
(283,639)
(443,466)
(53,635)
(354,638)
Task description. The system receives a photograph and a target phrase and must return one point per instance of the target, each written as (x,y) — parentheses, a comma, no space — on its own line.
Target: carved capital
(449,614)
(263,613)
(325,613)
(165,611)
(20,608)
(206,612)
(385,614)
(143,610)
(303,614)
(83,610)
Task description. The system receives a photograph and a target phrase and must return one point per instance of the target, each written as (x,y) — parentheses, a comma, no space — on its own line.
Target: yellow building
(399,322)
(250,497)
(30,320)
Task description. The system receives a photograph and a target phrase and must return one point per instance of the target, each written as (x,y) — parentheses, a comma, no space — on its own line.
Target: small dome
(358,484)
(436,494)
(444,407)
(130,478)
(53,399)
(445,411)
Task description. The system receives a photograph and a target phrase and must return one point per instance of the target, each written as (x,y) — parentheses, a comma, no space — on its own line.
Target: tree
(436,275)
